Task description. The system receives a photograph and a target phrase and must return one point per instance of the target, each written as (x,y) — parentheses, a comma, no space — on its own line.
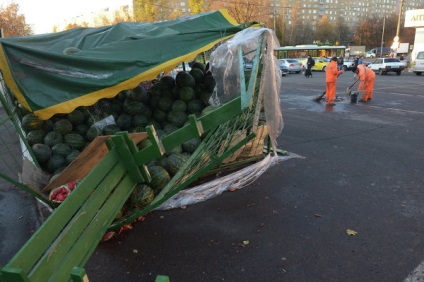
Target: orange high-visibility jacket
(331,72)
(365,76)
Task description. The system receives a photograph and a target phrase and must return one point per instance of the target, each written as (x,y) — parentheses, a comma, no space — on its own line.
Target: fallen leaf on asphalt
(317,215)
(351,232)
(246,242)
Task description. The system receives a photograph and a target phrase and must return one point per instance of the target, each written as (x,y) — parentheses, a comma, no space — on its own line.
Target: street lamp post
(395,45)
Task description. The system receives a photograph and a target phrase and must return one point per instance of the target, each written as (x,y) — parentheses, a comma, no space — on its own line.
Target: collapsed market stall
(62,91)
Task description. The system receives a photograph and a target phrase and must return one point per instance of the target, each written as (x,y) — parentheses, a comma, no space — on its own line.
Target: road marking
(417,275)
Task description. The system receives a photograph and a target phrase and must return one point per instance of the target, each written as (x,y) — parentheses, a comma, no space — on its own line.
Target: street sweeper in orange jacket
(331,74)
(366,81)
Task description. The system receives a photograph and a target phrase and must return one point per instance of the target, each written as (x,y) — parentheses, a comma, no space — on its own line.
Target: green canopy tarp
(58,72)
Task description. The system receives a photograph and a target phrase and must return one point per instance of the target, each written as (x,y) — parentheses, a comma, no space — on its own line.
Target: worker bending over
(366,79)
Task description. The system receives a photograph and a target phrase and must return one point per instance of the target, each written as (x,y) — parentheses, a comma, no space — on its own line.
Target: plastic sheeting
(225,68)
(230,182)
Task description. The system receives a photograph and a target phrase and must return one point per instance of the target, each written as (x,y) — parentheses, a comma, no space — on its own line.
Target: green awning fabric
(58,72)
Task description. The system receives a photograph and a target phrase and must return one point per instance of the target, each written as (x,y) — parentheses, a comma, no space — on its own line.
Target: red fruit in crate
(59,194)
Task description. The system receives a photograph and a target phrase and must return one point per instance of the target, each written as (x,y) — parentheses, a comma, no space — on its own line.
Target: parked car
(292,64)
(418,68)
(369,54)
(385,65)
(348,63)
(284,69)
(320,63)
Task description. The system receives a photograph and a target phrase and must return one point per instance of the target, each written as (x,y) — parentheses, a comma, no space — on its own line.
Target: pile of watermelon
(166,104)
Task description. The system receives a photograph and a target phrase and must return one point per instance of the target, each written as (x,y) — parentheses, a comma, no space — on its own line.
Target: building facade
(350,11)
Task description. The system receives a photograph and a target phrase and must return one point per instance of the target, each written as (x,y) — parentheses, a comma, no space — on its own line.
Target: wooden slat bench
(61,247)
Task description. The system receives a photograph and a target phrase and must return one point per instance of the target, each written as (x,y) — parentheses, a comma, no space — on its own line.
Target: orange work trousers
(330,92)
(369,82)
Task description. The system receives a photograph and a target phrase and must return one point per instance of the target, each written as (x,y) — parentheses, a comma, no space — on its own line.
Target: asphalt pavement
(351,209)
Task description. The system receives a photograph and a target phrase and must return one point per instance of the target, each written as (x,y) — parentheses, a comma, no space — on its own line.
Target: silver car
(419,63)
(292,64)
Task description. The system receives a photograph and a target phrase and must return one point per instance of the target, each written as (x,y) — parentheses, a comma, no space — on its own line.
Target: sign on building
(414,18)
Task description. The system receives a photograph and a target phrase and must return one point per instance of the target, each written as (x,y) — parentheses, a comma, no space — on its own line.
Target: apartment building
(351,11)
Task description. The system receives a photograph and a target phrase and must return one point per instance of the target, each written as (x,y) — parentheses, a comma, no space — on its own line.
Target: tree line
(368,32)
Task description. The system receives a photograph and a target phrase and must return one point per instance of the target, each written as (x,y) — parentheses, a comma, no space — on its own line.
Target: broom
(349,89)
(318,98)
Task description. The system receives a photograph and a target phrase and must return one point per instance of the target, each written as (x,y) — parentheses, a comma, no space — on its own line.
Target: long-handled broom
(349,89)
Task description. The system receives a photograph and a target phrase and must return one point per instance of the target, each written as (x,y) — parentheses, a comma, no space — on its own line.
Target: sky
(42,15)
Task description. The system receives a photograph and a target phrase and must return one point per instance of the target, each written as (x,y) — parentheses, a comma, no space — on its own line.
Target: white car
(369,55)
(385,65)
(418,68)
(292,64)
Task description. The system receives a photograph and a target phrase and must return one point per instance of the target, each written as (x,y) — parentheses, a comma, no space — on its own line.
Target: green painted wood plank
(92,235)
(127,158)
(34,248)
(222,114)
(52,258)
(78,274)
(9,274)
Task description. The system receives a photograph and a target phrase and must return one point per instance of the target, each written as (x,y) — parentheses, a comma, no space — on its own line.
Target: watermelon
(155,90)
(76,117)
(35,136)
(81,129)
(165,103)
(177,118)
(63,126)
(184,79)
(111,129)
(74,140)
(168,82)
(195,106)
(191,145)
(199,65)
(160,177)
(92,133)
(142,196)
(52,138)
(140,120)
(59,194)
(209,82)
(159,115)
(153,101)
(174,162)
(47,125)
(179,105)
(156,124)
(139,128)
(197,74)
(124,121)
(61,149)
(55,162)
(144,143)
(176,92)
(140,93)
(187,93)
(72,156)
(132,107)
(42,152)
(31,122)
(169,128)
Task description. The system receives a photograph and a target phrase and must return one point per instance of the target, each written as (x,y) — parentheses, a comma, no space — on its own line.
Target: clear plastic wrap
(230,182)
(225,67)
